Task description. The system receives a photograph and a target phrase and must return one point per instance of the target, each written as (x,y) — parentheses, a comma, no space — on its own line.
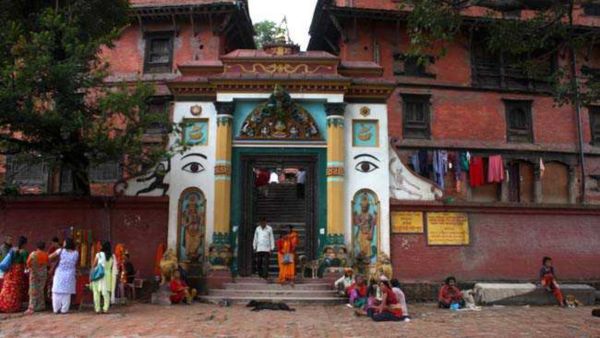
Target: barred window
(27,172)
(518,121)
(159,53)
(105,172)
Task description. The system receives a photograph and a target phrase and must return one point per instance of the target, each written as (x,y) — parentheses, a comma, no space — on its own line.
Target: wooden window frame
(594,113)
(425,126)
(156,68)
(410,66)
(514,135)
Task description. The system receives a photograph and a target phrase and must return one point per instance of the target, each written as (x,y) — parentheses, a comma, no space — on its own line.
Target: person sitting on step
(342,284)
(180,292)
(548,280)
(358,292)
(450,295)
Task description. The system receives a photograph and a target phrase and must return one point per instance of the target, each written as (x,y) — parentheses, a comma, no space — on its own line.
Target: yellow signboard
(407,222)
(447,228)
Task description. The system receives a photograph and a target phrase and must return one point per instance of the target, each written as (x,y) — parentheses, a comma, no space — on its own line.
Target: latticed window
(105,172)
(518,121)
(27,172)
(415,116)
(595,124)
(159,53)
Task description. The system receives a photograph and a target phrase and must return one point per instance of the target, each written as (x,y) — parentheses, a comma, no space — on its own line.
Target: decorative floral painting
(195,132)
(365,133)
(191,229)
(365,225)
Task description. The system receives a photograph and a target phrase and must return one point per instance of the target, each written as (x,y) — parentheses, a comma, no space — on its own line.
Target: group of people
(384,300)
(264,243)
(381,299)
(264,177)
(53,276)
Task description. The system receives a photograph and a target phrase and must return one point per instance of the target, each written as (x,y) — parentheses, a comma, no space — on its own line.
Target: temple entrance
(270,189)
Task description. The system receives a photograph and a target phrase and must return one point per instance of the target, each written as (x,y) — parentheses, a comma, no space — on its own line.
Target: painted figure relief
(279,119)
(365,133)
(365,225)
(406,185)
(195,132)
(192,225)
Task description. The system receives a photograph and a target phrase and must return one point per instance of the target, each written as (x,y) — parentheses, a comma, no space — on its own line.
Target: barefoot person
(180,292)
(263,244)
(286,256)
(548,280)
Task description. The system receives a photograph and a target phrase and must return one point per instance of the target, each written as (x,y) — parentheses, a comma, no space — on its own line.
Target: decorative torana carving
(280,118)
(281,68)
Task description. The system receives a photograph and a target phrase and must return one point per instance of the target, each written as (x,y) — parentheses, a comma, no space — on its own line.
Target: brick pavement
(204,320)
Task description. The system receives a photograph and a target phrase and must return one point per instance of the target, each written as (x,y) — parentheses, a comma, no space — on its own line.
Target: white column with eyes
(367,167)
(192,169)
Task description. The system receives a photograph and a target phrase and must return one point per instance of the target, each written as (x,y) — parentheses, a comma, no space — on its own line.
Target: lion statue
(383,267)
(168,266)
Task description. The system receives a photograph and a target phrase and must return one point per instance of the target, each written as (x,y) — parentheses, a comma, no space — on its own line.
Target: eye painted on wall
(192,165)
(365,165)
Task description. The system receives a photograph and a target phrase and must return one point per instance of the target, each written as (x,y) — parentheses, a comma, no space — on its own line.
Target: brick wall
(507,244)
(138,223)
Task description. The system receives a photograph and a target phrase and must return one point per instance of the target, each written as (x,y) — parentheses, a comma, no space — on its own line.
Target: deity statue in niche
(192,225)
(365,232)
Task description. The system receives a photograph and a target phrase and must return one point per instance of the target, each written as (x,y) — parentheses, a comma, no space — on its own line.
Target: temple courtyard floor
(205,320)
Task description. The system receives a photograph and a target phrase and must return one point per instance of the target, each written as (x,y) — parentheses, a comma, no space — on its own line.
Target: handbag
(97,273)
(288,258)
(7,261)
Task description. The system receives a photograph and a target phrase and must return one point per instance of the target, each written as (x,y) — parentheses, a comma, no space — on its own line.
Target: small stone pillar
(572,184)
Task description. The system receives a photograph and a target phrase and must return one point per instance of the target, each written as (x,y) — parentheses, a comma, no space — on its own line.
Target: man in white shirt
(300,182)
(263,244)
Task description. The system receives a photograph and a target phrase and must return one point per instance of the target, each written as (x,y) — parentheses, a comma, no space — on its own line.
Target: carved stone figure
(168,265)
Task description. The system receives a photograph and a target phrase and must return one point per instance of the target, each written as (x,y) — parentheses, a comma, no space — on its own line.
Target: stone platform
(529,294)
(243,290)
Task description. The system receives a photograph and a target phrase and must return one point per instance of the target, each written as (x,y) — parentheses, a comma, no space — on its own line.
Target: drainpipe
(577,104)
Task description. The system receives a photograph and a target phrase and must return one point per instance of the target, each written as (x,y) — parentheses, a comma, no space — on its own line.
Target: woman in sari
(286,256)
(14,287)
(37,263)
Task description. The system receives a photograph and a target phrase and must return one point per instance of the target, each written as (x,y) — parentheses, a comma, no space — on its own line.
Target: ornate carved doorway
(280,203)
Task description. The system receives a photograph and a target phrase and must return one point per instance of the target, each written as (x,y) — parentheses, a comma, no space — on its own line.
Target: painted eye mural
(192,165)
(365,165)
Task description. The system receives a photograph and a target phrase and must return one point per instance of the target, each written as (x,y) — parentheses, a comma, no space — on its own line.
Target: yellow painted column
(335,173)
(222,212)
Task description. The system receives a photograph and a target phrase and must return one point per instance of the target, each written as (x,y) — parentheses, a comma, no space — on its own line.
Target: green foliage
(526,44)
(266,31)
(54,102)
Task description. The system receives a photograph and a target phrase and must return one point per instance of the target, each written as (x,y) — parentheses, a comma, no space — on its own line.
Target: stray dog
(306,264)
(572,302)
(258,306)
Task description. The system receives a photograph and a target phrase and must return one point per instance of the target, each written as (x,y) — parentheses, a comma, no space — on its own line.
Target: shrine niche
(280,119)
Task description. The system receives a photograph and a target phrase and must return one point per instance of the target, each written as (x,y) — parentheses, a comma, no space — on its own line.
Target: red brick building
(466,101)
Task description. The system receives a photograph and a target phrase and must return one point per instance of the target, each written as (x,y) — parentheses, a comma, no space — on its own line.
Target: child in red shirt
(449,294)
(548,280)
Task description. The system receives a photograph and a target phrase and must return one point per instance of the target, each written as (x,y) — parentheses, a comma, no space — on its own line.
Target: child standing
(548,280)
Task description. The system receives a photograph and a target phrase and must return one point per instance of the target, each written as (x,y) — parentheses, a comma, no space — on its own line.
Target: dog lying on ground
(258,306)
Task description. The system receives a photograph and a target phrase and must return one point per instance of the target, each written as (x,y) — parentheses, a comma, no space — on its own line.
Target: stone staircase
(243,290)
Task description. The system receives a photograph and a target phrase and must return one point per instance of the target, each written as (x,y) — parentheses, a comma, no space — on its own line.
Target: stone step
(258,280)
(287,300)
(274,286)
(291,292)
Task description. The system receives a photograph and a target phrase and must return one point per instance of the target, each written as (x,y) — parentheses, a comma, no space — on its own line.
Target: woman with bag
(286,256)
(15,284)
(37,263)
(101,277)
(64,281)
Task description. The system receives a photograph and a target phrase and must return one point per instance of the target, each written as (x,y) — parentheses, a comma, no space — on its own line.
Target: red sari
(15,285)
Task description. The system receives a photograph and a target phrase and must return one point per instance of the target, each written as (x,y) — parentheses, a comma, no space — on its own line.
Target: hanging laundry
(542,167)
(464,160)
(414,161)
(423,163)
(476,175)
(495,169)
(440,166)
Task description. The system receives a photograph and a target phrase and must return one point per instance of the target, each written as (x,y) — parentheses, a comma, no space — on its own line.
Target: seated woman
(388,309)
(400,295)
(450,294)
(180,291)
(358,293)
(342,284)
